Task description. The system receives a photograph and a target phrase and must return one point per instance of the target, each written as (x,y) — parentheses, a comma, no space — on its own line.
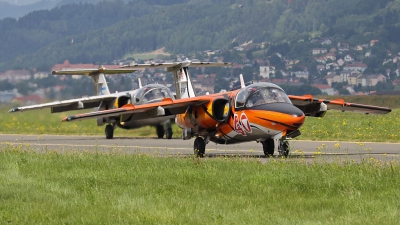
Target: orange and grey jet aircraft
(260,112)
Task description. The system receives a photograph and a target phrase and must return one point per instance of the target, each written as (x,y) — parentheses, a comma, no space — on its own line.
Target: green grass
(44,122)
(114,188)
(335,126)
(346,126)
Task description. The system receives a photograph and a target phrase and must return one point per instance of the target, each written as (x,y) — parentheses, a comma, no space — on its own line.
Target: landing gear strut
(109,130)
(199,147)
(268,147)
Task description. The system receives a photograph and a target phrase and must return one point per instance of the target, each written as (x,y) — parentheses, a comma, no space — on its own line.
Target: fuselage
(259,111)
(147,94)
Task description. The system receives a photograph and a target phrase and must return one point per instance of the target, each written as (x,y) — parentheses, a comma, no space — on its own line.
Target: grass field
(93,188)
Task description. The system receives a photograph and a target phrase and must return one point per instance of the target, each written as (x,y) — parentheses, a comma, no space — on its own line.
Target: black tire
(199,147)
(268,147)
(168,133)
(284,148)
(109,130)
(160,131)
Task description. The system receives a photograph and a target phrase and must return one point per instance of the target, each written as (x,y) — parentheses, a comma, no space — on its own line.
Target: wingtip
(13,110)
(68,118)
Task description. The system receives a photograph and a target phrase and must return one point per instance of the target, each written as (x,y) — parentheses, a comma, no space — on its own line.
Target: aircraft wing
(313,106)
(67,105)
(166,107)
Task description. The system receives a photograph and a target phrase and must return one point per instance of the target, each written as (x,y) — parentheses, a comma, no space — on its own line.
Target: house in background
(357,66)
(15,75)
(264,71)
(375,78)
(325,88)
(348,58)
(317,51)
(332,77)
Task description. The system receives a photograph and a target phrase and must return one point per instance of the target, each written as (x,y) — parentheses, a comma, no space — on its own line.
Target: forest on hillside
(108,30)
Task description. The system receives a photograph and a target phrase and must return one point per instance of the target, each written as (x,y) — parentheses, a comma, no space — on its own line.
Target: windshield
(152,93)
(253,96)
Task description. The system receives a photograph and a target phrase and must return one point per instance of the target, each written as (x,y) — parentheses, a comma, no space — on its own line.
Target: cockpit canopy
(259,94)
(152,93)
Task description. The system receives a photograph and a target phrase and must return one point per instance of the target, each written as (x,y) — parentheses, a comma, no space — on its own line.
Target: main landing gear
(269,147)
(161,131)
(199,147)
(109,130)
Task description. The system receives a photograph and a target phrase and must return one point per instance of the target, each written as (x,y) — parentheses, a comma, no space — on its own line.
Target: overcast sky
(20,2)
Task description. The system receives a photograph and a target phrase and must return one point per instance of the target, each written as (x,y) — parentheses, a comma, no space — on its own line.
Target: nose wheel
(283,148)
(269,147)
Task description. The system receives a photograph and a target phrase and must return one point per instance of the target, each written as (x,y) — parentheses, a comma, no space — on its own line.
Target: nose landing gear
(283,148)
(269,147)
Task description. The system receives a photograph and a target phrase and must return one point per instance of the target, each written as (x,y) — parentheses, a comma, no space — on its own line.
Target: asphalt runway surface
(308,150)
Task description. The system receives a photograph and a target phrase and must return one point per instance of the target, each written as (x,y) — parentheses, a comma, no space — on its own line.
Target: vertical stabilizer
(183,83)
(100,84)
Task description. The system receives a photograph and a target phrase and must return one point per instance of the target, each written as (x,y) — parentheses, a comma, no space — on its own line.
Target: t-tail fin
(183,83)
(100,84)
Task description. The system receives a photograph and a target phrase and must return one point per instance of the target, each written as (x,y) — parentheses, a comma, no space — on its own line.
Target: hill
(110,30)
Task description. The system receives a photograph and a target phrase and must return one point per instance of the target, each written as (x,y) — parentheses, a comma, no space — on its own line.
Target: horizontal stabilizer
(89,72)
(177,65)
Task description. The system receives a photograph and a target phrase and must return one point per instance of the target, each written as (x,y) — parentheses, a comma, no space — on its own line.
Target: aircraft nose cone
(295,117)
(298,116)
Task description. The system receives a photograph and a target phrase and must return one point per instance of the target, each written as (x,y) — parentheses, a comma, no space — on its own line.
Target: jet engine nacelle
(220,109)
(205,116)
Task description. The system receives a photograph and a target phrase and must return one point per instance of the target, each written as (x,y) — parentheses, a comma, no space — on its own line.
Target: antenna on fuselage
(242,85)
(140,83)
